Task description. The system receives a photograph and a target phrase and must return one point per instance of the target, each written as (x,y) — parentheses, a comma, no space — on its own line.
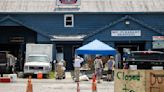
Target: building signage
(126,33)
(158,42)
(17,39)
(158,45)
(158,38)
(68,2)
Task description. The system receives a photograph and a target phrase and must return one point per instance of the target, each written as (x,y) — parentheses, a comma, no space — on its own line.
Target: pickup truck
(7,62)
(145,60)
(37,63)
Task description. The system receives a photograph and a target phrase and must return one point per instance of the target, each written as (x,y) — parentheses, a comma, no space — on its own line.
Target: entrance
(13,39)
(66,51)
(17,51)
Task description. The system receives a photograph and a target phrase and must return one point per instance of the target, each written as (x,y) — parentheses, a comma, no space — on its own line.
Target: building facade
(127,25)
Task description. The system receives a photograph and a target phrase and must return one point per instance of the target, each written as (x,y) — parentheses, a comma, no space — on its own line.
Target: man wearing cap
(77,64)
(111,65)
(98,67)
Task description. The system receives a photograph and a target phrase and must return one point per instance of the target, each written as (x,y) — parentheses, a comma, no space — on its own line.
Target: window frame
(65,20)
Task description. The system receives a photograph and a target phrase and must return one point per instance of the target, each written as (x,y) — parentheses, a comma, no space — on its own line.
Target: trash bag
(84,78)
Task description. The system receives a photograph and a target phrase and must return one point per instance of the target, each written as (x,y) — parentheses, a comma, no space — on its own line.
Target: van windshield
(38,58)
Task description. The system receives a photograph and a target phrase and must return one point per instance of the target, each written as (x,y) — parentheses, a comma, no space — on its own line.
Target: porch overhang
(67,37)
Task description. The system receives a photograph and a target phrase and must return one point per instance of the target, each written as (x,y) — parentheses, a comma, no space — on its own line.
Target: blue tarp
(96,47)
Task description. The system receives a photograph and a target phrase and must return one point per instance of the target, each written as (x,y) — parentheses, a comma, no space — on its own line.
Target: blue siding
(155,20)
(9,23)
(148,45)
(146,33)
(86,23)
(41,38)
(53,24)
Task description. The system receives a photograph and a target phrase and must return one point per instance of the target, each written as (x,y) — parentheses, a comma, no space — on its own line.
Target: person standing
(118,61)
(77,64)
(98,67)
(60,71)
(111,65)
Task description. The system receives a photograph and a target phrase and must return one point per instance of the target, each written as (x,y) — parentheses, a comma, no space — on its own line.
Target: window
(68,21)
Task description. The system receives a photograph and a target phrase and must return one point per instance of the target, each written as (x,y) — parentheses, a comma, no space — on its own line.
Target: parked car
(145,60)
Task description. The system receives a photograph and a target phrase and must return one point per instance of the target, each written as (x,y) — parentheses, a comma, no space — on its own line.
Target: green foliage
(51,75)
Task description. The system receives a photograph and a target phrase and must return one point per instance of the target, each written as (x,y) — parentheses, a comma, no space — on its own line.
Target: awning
(96,47)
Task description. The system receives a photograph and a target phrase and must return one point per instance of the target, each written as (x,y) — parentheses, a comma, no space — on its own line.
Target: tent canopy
(96,47)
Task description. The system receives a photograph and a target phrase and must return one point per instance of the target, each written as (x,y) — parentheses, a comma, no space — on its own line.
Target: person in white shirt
(77,64)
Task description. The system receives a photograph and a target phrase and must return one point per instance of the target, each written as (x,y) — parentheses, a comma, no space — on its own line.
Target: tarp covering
(96,47)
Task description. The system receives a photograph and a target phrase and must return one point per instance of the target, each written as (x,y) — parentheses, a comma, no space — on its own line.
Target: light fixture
(127,22)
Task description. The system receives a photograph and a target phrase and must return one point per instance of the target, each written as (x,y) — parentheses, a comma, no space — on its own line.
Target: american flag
(68,1)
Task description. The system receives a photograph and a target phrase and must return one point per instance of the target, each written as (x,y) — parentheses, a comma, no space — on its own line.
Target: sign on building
(158,42)
(158,45)
(158,38)
(126,33)
(68,2)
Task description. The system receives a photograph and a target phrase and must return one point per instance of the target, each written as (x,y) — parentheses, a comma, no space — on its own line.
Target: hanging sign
(158,38)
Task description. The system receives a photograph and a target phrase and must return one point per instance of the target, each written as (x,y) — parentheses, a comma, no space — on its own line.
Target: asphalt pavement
(53,85)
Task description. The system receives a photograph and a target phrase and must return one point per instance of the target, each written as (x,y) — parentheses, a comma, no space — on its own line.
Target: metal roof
(85,6)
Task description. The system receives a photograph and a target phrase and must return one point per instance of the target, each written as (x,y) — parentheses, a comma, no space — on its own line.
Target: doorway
(13,40)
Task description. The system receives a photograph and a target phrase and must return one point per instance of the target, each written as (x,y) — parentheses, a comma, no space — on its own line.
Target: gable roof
(85,6)
(22,24)
(122,19)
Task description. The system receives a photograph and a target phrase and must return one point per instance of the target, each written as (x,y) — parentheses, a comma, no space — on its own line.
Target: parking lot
(53,85)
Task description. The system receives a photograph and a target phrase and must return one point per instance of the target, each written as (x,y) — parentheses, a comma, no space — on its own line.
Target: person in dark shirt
(111,65)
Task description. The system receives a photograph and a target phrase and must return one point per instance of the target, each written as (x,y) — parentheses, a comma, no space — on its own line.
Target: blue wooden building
(123,24)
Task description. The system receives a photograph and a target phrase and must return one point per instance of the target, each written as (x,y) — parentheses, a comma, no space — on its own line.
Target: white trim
(67,38)
(68,15)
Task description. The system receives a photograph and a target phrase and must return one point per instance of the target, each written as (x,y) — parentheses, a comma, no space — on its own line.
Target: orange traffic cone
(94,86)
(39,75)
(78,87)
(29,85)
